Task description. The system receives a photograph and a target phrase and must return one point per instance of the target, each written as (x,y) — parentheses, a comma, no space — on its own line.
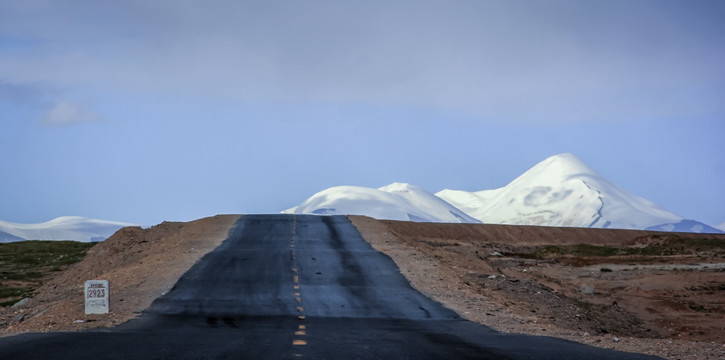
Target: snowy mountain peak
(62,228)
(559,167)
(561,191)
(400,187)
(397,201)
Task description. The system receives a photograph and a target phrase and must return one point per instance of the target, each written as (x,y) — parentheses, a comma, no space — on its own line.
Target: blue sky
(145,111)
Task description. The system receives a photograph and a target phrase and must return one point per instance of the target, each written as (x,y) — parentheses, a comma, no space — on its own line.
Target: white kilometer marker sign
(96,294)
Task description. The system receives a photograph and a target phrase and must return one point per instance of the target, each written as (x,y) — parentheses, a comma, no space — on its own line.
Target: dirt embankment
(648,292)
(140,265)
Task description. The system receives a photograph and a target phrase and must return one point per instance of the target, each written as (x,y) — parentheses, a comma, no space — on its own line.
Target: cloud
(44,100)
(65,113)
(496,60)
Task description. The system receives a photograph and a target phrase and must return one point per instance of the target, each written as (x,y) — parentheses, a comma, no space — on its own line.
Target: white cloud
(65,113)
(495,60)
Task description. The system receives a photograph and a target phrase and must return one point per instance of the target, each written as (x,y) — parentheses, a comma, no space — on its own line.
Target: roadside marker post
(96,294)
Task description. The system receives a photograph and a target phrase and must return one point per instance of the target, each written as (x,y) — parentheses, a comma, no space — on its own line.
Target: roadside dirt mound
(642,291)
(140,265)
(527,235)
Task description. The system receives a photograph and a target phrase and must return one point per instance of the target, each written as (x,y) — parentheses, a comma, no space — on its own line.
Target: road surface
(289,287)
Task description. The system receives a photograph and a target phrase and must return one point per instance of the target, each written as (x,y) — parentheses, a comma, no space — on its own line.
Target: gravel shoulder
(668,306)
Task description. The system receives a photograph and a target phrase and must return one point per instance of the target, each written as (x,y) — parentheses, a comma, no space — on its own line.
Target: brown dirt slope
(140,265)
(650,292)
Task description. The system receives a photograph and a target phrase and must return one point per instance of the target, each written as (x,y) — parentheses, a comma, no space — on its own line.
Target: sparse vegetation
(576,250)
(670,246)
(24,265)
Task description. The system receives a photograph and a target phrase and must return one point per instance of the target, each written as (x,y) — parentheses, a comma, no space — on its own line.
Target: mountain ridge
(397,201)
(75,228)
(559,191)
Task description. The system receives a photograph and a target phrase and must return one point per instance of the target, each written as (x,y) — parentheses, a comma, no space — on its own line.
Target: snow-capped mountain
(63,228)
(559,191)
(397,201)
(686,226)
(5,237)
(563,191)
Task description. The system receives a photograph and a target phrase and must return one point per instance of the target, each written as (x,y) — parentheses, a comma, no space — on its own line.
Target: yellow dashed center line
(301,328)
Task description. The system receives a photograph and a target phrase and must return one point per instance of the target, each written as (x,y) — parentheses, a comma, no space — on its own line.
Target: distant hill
(686,226)
(721,226)
(74,228)
(397,201)
(5,237)
(560,191)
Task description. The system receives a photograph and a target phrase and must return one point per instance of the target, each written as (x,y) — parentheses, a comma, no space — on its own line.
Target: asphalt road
(288,287)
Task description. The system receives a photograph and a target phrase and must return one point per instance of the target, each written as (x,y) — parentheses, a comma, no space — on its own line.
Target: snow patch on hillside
(397,201)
